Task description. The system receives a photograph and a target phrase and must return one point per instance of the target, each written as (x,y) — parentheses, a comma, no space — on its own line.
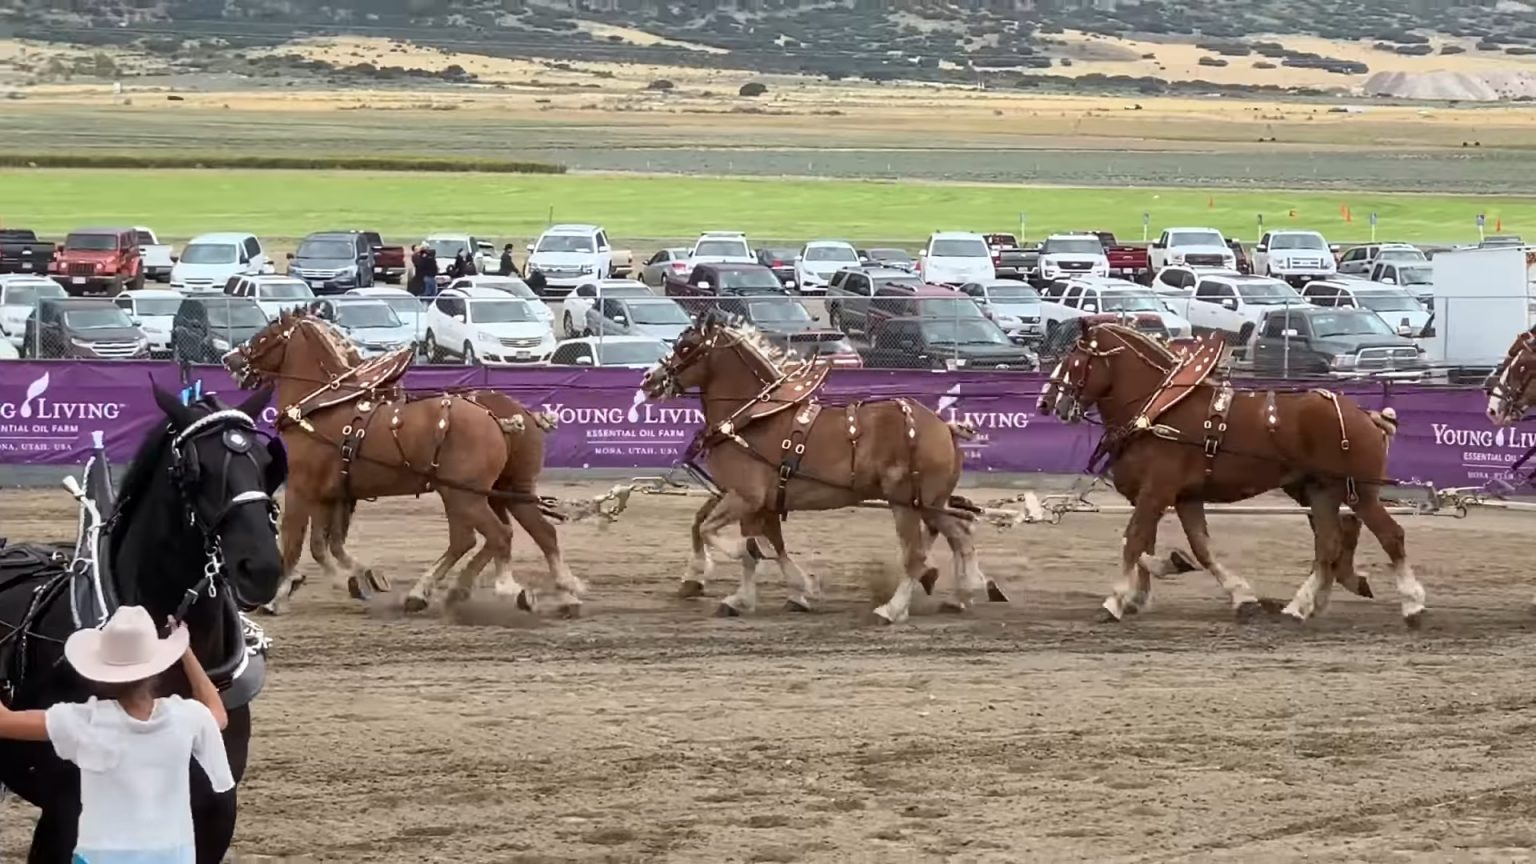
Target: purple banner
(48,411)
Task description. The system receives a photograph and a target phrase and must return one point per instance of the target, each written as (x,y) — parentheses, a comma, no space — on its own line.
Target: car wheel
(1243,335)
(566,326)
(469,355)
(429,348)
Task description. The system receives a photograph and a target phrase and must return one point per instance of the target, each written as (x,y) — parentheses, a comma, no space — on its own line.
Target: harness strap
(793,450)
(912,468)
(1216,426)
(1338,411)
(854,431)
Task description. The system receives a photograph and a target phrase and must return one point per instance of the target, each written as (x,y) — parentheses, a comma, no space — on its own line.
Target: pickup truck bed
(22,252)
(388,261)
(1124,261)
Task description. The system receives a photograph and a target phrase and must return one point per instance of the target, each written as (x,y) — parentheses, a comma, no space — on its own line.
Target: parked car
(945,343)
(19,296)
(1295,256)
(8,351)
(388,261)
(1013,306)
(445,247)
(1360,260)
(482,325)
(1089,296)
(22,252)
(719,247)
(1338,342)
(770,314)
(207,326)
(1063,256)
(155,311)
(1063,338)
(652,317)
(274,294)
(781,260)
(1496,241)
(1232,305)
(1009,260)
(851,289)
(665,262)
(83,329)
(1240,260)
(818,262)
(573,309)
(99,261)
(707,282)
(1202,247)
(508,285)
(371,325)
(889,258)
(1125,261)
(158,258)
(1179,280)
(408,307)
(613,352)
(567,255)
(332,262)
(818,344)
(1400,309)
(209,260)
(955,258)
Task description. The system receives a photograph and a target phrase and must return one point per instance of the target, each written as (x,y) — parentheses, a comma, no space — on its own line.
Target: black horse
(194,535)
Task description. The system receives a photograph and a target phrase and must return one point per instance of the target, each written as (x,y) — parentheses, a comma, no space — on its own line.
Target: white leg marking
(1304,603)
(1409,588)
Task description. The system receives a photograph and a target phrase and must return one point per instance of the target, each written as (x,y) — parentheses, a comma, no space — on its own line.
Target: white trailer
(1483,299)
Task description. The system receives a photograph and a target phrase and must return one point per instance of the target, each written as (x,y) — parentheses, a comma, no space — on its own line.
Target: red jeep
(99,261)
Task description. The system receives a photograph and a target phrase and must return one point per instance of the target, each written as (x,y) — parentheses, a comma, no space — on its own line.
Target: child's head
(124,658)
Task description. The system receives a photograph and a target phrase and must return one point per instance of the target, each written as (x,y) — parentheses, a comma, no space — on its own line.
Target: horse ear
(171,405)
(252,407)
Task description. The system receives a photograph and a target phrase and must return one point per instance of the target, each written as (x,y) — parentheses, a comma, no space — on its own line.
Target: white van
(955,258)
(208,260)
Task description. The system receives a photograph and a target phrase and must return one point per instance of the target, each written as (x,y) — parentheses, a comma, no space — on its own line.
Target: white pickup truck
(156,256)
(1233,304)
(1295,256)
(1062,301)
(1197,247)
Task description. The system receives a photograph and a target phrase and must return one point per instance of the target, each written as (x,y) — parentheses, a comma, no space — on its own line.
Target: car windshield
(657,312)
(96,318)
(208,253)
(778,256)
(285,291)
(1401,254)
(1415,275)
(949,308)
(28,295)
(91,242)
(890,255)
(325,250)
(721,249)
(144,238)
(1196,238)
(366,315)
(564,243)
(236,315)
(448,248)
(959,249)
(1336,324)
(629,353)
(831,253)
(1298,241)
(1126,302)
(147,306)
(1387,301)
(964,332)
(500,311)
(777,311)
(1013,294)
(750,281)
(1073,246)
(1268,293)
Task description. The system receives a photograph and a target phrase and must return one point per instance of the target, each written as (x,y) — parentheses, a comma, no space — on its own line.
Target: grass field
(281,205)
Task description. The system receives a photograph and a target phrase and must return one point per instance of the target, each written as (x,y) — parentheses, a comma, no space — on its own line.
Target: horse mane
(1150,343)
(778,359)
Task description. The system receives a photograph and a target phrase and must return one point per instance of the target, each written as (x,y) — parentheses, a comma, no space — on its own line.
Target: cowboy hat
(127,649)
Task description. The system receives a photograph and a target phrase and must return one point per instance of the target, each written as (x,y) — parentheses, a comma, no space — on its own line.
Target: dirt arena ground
(651,731)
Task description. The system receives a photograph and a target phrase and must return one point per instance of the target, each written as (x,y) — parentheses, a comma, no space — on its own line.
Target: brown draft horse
(518,482)
(773,449)
(447,444)
(1214,445)
(1511,388)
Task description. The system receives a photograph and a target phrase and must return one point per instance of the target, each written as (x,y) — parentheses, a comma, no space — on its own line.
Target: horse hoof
(377,581)
(726,610)
(296,584)
(524,601)
(1131,609)
(1107,617)
(414,604)
(690,589)
(882,618)
(269,609)
(929,577)
(1363,589)
(569,611)
(793,605)
(355,589)
(1249,610)
(1414,621)
(1180,562)
(995,593)
(952,607)
(456,595)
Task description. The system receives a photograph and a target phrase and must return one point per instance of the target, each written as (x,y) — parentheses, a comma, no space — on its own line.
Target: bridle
(258,348)
(1070,377)
(238,434)
(1511,391)
(678,361)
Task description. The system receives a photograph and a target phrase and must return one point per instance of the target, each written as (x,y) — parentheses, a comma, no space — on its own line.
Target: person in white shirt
(132,748)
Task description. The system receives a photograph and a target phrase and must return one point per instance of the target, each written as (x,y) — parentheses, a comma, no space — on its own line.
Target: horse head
(1511,388)
(702,353)
(201,490)
(1103,362)
(295,340)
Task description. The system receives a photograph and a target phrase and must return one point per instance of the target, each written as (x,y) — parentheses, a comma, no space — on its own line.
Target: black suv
(956,343)
(206,327)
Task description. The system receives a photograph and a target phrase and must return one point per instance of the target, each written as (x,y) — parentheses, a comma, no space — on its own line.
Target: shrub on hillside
(752,88)
(660,84)
(1211,61)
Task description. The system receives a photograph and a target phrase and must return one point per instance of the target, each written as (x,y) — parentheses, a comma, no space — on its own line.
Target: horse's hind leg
(731,508)
(962,546)
(1131,591)
(1346,574)
(461,539)
(320,523)
(804,588)
(1390,535)
(909,531)
(483,556)
(545,536)
(361,581)
(1197,531)
(698,563)
(295,522)
(1312,597)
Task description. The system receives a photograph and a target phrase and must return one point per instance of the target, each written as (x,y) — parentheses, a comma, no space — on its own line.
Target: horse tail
(1385,420)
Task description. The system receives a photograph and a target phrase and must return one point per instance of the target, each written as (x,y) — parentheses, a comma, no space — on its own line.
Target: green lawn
(281,205)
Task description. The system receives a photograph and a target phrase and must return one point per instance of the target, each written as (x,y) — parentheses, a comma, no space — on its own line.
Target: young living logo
(37,406)
(1451,436)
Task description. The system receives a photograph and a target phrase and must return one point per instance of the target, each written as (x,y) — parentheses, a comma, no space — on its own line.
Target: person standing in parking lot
(508,266)
(426,265)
